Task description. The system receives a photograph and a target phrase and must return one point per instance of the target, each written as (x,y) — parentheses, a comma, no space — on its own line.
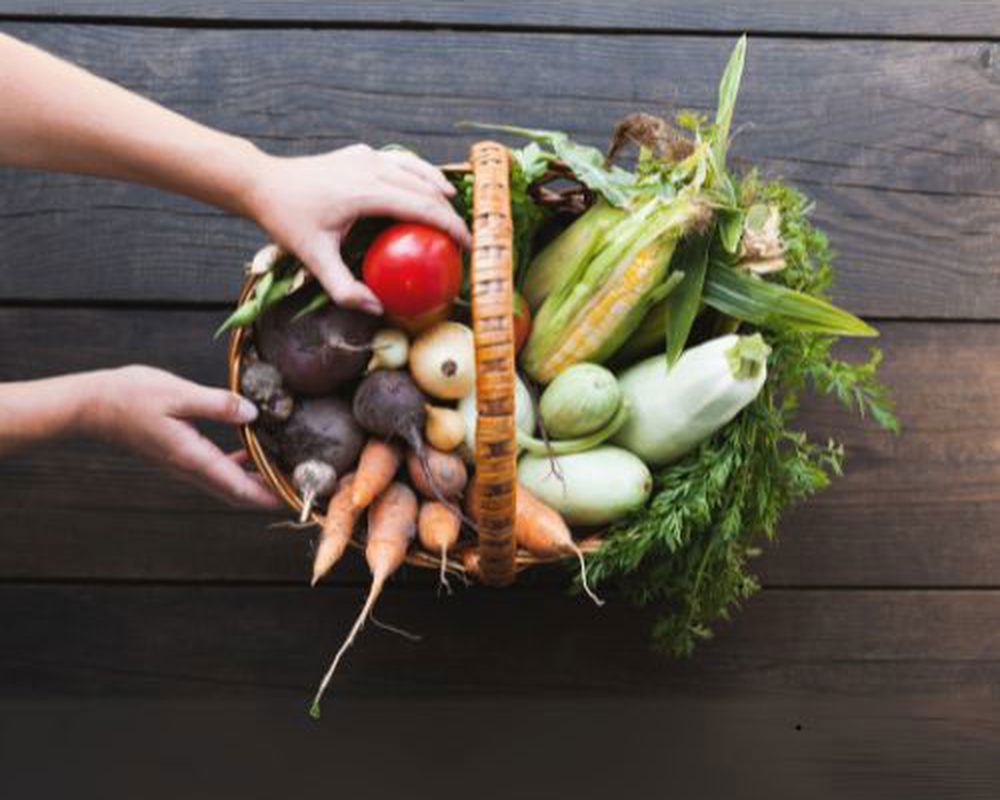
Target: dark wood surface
(154,643)
(895,18)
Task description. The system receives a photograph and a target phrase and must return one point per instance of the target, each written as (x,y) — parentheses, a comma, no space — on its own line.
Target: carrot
(470,562)
(341,517)
(445,471)
(392,524)
(540,530)
(438,527)
(378,465)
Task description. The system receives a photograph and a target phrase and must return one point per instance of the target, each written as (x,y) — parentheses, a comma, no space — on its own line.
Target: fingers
(330,270)
(417,207)
(417,166)
(220,405)
(205,464)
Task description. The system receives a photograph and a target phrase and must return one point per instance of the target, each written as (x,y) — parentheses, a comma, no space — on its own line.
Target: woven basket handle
(492,283)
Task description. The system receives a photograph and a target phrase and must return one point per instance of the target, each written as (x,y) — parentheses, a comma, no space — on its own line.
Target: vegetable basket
(491,279)
(702,294)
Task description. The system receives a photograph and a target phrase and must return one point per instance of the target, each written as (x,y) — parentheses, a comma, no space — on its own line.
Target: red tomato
(415,270)
(522,322)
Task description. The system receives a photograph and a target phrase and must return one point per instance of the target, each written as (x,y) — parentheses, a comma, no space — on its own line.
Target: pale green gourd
(581,400)
(673,410)
(596,487)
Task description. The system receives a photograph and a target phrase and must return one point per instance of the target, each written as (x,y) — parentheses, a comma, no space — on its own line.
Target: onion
(443,361)
(445,428)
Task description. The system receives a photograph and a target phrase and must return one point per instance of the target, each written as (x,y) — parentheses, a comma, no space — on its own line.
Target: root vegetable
(470,562)
(438,528)
(379,463)
(445,428)
(321,429)
(314,480)
(319,351)
(392,525)
(439,474)
(443,361)
(389,404)
(261,382)
(539,529)
(390,350)
(338,527)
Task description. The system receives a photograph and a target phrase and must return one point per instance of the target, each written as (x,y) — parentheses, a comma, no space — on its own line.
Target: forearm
(35,411)
(69,120)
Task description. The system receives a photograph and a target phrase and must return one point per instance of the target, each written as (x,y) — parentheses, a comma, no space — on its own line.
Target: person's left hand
(150,412)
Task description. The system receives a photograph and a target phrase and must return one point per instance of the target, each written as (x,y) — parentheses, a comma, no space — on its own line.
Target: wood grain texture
(699,745)
(897,141)
(210,640)
(888,17)
(919,510)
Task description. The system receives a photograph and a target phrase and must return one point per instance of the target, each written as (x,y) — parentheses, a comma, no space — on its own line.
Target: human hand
(150,411)
(308,205)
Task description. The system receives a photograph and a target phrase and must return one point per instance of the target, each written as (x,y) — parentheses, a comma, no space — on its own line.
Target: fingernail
(247,412)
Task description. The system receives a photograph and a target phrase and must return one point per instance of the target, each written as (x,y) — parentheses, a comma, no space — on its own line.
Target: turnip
(315,352)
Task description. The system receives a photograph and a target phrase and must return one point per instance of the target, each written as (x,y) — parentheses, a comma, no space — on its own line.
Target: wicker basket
(493,326)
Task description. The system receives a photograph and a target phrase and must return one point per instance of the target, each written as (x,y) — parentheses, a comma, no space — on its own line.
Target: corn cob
(567,251)
(603,300)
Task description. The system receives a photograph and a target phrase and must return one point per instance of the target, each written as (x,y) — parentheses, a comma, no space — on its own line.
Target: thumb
(207,402)
(325,263)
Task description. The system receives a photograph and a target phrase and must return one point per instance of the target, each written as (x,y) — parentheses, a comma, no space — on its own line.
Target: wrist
(247,186)
(90,416)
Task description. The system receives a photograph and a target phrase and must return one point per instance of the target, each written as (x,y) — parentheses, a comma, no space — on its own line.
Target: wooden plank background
(157,644)
(895,18)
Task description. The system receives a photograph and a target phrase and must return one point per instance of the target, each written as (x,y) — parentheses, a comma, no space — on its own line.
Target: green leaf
(617,185)
(730,230)
(729,87)
(768,304)
(683,305)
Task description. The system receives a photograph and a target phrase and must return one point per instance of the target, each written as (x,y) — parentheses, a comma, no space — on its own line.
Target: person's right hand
(150,412)
(307,205)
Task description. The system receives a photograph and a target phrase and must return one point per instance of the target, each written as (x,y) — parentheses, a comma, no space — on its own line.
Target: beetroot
(321,429)
(319,351)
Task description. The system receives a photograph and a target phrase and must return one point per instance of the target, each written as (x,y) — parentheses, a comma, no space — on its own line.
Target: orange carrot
(341,517)
(438,527)
(470,562)
(539,529)
(378,465)
(392,524)
(446,471)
